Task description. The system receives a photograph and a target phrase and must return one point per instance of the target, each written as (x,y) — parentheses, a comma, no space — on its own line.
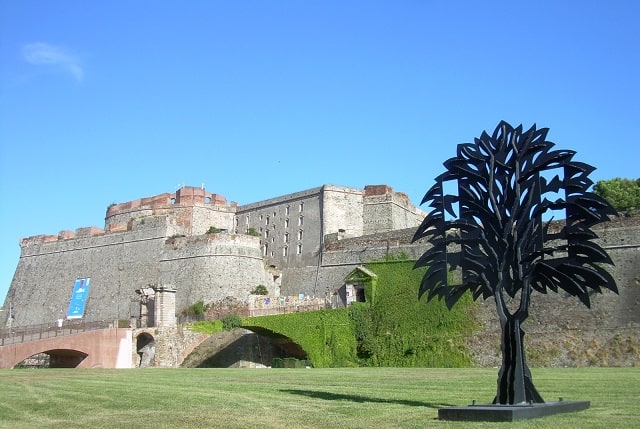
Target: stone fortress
(202,247)
(193,245)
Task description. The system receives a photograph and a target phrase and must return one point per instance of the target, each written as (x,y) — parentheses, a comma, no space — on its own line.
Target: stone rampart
(561,331)
(213,267)
(209,267)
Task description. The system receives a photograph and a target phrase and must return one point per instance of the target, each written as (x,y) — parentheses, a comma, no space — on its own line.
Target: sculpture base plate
(509,413)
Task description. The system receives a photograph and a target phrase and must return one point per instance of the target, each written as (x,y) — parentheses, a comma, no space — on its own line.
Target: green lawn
(298,398)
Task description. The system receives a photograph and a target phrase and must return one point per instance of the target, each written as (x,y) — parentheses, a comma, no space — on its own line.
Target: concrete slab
(509,413)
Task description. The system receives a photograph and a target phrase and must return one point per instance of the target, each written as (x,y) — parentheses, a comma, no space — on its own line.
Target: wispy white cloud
(50,55)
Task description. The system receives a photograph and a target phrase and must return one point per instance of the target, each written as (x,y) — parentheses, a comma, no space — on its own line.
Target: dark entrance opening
(146,349)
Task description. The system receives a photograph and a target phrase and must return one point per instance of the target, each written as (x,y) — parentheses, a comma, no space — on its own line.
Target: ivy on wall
(326,335)
(399,330)
(393,328)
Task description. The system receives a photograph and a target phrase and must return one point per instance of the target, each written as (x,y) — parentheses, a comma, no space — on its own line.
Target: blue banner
(78,298)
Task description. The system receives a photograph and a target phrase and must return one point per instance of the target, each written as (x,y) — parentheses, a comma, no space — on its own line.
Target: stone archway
(54,358)
(146,349)
(243,348)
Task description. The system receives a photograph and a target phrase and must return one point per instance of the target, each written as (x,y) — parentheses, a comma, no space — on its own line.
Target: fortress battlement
(190,210)
(185,196)
(193,210)
(90,231)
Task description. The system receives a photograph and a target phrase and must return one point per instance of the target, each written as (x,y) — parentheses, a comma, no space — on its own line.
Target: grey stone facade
(293,228)
(163,241)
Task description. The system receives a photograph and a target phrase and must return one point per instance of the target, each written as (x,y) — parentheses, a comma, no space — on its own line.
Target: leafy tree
(502,245)
(622,194)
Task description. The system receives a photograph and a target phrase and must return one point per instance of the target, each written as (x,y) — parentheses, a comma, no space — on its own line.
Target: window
(299,249)
(300,235)
(301,208)
(286,238)
(266,222)
(246,219)
(266,233)
(285,251)
(265,249)
(286,210)
(301,221)
(286,223)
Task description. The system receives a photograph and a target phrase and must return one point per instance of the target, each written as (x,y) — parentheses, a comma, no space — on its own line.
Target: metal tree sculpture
(502,245)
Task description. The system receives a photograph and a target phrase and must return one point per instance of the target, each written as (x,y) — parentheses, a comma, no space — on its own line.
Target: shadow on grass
(357,398)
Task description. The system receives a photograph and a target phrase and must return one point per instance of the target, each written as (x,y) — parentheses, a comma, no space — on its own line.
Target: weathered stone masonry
(162,240)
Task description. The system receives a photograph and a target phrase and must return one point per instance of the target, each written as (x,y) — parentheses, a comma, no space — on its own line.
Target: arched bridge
(84,346)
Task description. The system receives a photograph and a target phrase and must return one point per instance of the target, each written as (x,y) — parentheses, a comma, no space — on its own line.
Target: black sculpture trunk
(515,385)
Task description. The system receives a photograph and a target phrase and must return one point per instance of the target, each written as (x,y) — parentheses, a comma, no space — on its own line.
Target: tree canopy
(622,194)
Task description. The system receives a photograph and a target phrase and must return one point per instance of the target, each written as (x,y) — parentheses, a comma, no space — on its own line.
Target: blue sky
(104,102)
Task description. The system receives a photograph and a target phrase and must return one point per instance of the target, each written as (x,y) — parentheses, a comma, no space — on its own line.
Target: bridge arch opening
(55,358)
(146,349)
(245,348)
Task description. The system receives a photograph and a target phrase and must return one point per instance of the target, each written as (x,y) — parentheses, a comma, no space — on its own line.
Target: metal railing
(21,334)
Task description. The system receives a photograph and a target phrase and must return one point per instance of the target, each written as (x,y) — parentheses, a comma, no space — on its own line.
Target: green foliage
(396,330)
(213,230)
(253,232)
(231,321)
(622,194)
(207,327)
(260,290)
(400,330)
(326,336)
(197,308)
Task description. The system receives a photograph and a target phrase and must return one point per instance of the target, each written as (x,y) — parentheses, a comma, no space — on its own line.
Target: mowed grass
(298,398)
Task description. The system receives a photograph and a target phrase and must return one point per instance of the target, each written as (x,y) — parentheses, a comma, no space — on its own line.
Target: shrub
(253,232)
(260,290)
(197,308)
(213,230)
(231,321)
